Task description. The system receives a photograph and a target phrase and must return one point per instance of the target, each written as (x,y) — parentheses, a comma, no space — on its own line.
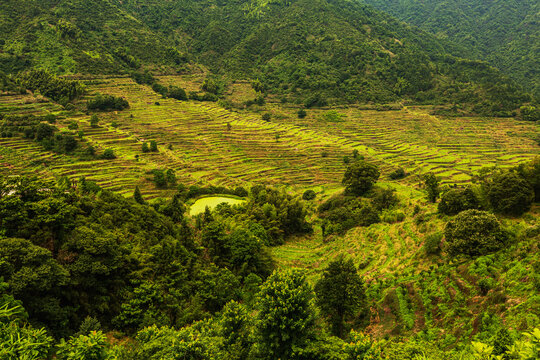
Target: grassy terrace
(194,140)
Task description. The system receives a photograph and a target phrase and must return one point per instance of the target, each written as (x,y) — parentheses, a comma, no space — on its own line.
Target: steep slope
(71,36)
(505,33)
(333,50)
(311,51)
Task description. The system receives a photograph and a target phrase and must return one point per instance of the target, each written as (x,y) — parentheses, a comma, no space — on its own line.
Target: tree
(302,113)
(360,177)
(431,183)
(145,148)
(455,201)
(94,121)
(340,294)
(153,146)
(474,233)
(92,346)
(309,195)
(108,154)
(36,279)
(286,314)
(159,178)
(177,93)
(266,116)
(138,196)
(510,194)
(171,177)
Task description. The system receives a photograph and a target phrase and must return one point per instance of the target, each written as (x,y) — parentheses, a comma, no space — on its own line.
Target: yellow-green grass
(195,141)
(200,205)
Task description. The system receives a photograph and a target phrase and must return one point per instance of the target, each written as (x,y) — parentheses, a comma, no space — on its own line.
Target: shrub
(108,154)
(267,116)
(431,183)
(397,174)
(177,93)
(432,243)
(384,198)
(153,146)
(309,195)
(145,148)
(510,194)
(302,113)
(94,121)
(474,233)
(455,201)
(106,103)
(50,118)
(360,178)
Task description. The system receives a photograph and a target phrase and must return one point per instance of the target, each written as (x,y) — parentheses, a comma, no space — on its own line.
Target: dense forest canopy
(504,33)
(318,52)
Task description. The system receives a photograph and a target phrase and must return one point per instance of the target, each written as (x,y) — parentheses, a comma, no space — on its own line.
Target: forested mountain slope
(77,36)
(317,52)
(329,49)
(504,33)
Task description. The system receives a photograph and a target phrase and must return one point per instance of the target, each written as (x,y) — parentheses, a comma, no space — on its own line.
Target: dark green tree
(94,121)
(360,177)
(474,233)
(510,194)
(138,196)
(431,184)
(153,146)
(286,314)
(455,201)
(145,148)
(340,294)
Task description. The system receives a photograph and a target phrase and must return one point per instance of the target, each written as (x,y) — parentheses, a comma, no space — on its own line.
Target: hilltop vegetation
(382,193)
(77,36)
(329,51)
(504,33)
(312,52)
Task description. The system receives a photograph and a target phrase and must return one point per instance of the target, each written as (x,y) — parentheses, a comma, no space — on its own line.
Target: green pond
(211,201)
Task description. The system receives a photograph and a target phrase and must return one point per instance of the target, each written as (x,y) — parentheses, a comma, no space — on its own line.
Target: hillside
(328,51)
(260,180)
(115,249)
(316,52)
(504,33)
(77,36)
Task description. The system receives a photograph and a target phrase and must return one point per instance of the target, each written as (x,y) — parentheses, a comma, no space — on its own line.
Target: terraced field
(205,143)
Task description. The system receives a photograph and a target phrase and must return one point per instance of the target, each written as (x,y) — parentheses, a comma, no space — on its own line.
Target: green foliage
(455,201)
(360,177)
(84,347)
(530,113)
(497,31)
(18,341)
(309,195)
(432,243)
(153,146)
(340,294)
(94,121)
(474,233)
(302,113)
(145,148)
(286,314)
(397,174)
(60,90)
(106,103)
(341,213)
(108,154)
(177,93)
(509,194)
(431,185)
